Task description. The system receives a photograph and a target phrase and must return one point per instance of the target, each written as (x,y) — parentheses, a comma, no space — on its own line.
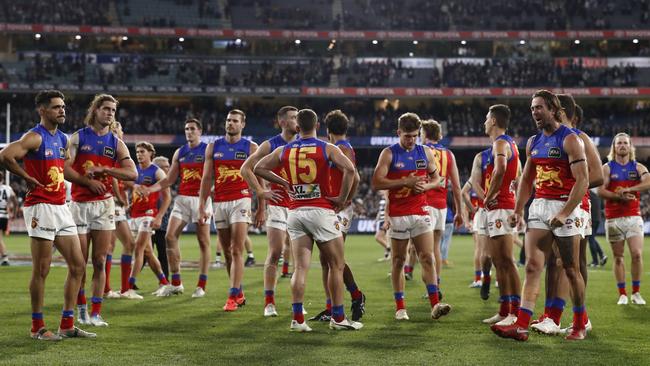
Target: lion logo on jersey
(55,174)
(227,172)
(549,176)
(140,198)
(190,174)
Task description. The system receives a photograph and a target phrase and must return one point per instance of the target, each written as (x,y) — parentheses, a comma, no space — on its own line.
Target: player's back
(437,197)
(506,197)
(308,171)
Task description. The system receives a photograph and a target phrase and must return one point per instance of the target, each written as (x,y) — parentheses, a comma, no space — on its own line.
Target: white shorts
(276,217)
(479,222)
(93,215)
(120,214)
(585,223)
(438,217)
(319,223)
(186,208)
(497,222)
(229,212)
(541,212)
(622,228)
(345,219)
(47,221)
(411,226)
(141,224)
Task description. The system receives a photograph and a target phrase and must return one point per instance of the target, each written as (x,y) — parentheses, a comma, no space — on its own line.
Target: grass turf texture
(182,330)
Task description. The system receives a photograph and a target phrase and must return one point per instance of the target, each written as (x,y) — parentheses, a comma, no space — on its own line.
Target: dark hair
(551,100)
(568,104)
(432,130)
(307,119)
(501,113)
(239,112)
(337,122)
(196,122)
(580,114)
(409,122)
(282,112)
(147,146)
(44,97)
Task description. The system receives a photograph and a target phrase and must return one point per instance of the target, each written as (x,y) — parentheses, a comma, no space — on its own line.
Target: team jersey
(228,159)
(381,210)
(307,165)
(404,201)
(437,197)
(506,196)
(94,150)
(145,205)
(46,166)
(585,204)
(190,161)
(485,160)
(622,176)
(5,194)
(336,175)
(553,178)
(275,142)
(473,197)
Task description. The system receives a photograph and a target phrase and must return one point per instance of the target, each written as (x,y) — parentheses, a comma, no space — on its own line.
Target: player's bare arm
(17,150)
(73,176)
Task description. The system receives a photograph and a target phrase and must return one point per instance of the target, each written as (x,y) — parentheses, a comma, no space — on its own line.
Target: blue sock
(297,307)
(352,287)
(96,300)
(399,296)
(432,289)
(558,303)
(38,315)
(338,313)
(126,259)
(269,292)
(67,313)
(203,277)
(234,291)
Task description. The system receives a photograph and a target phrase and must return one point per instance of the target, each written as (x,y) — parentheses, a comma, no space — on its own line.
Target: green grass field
(182,330)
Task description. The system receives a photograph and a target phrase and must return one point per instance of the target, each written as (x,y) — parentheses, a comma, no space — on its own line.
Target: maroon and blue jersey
(190,161)
(336,175)
(145,205)
(404,201)
(46,166)
(506,197)
(437,197)
(553,177)
(275,142)
(228,159)
(485,161)
(622,176)
(308,170)
(585,204)
(94,150)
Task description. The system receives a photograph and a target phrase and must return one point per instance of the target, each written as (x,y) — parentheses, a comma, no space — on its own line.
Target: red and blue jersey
(94,150)
(485,160)
(476,203)
(285,201)
(622,176)
(585,204)
(308,170)
(145,205)
(228,159)
(506,196)
(404,201)
(553,177)
(336,175)
(190,161)
(46,166)
(437,197)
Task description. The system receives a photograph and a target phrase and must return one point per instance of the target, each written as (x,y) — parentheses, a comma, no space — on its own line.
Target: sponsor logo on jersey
(62,153)
(86,148)
(633,175)
(109,151)
(49,153)
(240,155)
(199,158)
(147,180)
(554,152)
(420,164)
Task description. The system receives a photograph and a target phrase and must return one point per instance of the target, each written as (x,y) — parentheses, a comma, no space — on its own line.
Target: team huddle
(304,187)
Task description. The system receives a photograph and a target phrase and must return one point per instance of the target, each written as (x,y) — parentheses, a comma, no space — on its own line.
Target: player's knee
(534,267)
(99,262)
(42,270)
(637,256)
(170,238)
(619,259)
